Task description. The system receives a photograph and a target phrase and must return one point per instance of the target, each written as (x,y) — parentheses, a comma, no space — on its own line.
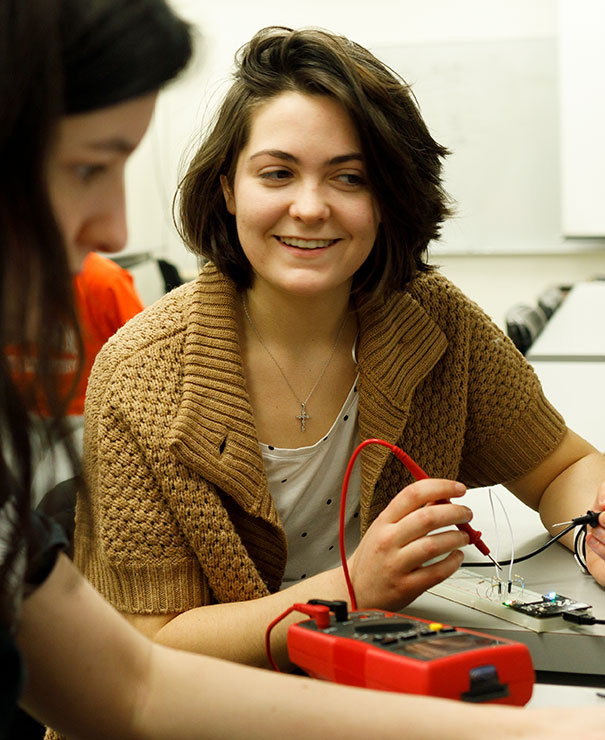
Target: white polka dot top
(306,485)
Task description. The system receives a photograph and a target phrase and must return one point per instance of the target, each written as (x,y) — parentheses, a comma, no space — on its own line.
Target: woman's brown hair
(403,161)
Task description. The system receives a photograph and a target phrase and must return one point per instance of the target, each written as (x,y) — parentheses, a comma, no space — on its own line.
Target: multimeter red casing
(393,652)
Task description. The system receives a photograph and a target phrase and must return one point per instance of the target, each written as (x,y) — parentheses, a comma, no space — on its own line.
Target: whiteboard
(582,70)
(495,105)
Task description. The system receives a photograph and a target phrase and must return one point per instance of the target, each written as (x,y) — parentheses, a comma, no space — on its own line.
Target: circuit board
(549,605)
(512,603)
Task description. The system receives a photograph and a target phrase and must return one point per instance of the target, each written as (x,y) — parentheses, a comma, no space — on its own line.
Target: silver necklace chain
(303,417)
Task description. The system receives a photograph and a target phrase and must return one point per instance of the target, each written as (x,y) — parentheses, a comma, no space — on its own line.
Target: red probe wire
(419,474)
(319,612)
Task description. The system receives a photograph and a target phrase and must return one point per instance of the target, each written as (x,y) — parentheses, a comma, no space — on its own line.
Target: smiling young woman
(221,422)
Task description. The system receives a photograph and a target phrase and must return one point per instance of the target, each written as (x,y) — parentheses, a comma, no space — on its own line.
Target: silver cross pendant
(303,417)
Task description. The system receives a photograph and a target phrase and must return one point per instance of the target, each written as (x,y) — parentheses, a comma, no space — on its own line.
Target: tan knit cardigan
(178,513)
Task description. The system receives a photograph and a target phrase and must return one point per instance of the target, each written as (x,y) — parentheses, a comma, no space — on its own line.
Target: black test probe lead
(591,518)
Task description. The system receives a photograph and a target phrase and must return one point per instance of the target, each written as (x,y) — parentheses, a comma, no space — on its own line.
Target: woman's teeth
(307,243)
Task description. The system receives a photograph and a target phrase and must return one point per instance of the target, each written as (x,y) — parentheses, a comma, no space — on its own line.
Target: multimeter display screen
(440,647)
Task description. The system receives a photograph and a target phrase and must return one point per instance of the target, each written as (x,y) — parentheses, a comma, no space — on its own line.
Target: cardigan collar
(399,345)
(214,432)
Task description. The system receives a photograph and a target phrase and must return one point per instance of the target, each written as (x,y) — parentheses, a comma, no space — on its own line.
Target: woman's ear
(228,194)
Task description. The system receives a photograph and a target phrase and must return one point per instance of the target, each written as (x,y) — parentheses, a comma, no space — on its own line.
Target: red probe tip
(495,562)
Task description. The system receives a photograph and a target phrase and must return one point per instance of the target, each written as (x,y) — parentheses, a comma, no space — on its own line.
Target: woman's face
(305,216)
(86,175)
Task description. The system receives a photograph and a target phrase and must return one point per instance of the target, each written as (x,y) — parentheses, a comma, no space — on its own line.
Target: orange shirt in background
(105,299)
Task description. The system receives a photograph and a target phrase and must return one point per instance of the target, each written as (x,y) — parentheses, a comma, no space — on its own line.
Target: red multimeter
(392,652)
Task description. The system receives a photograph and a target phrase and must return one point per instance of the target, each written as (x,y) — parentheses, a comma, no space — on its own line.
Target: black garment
(24,727)
(11,682)
(45,540)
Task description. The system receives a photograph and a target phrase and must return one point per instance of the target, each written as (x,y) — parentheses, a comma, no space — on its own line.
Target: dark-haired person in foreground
(220,423)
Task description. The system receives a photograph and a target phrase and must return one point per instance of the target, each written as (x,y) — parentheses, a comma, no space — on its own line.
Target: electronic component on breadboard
(478,592)
(393,652)
(550,605)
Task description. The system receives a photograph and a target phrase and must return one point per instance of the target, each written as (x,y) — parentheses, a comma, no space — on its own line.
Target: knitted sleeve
(510,426)
(128,541)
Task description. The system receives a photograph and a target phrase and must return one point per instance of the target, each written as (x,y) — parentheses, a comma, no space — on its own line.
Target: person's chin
(76,263)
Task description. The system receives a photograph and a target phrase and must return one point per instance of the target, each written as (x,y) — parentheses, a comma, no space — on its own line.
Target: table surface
(547,695)
(575,331)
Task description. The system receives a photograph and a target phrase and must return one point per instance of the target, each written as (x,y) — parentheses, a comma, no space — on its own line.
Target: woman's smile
(290,241)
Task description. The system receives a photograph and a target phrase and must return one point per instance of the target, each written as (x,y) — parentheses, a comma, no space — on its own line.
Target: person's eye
(276,176)
(87,172)
(352,179)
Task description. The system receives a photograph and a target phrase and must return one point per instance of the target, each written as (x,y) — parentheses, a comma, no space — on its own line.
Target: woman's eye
(275,175)
(87,172)
(351,178)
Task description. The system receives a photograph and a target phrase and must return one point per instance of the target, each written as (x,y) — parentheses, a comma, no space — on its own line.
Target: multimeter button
(427,632)
(435,626)
(378,638)
(409,636)
(389,640)
(448,629)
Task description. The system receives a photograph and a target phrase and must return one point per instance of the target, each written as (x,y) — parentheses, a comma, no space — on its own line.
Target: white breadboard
(478,592)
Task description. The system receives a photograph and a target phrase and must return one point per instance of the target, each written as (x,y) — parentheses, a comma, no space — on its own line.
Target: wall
(495,280)
(582,57)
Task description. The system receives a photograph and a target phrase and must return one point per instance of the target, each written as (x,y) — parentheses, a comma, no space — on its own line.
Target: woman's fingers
(595,536)
(392,564)
(395,588)
(421,551)
(419,523)
(421,579)
(396,564)
(419,494)
(414,512)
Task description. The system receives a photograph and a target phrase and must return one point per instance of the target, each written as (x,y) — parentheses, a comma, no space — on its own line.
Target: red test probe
(419,474)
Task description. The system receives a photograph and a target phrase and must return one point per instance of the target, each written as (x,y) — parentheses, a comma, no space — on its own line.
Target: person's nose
(309,204)
(105,230)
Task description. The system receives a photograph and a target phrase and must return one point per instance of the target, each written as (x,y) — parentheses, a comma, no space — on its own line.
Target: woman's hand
(595,540)
(388,568)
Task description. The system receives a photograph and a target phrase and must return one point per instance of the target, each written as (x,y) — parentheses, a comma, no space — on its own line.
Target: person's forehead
(285,117)
(115,129)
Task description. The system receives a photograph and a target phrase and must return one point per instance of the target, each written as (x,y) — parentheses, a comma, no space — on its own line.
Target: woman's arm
(388,571)
(565,485)
(92,676)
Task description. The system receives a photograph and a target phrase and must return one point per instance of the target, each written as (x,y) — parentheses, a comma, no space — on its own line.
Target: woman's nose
(105,229)
(309,205)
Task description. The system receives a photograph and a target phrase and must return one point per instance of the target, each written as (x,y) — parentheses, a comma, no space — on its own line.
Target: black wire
(581,618)
(523,557)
